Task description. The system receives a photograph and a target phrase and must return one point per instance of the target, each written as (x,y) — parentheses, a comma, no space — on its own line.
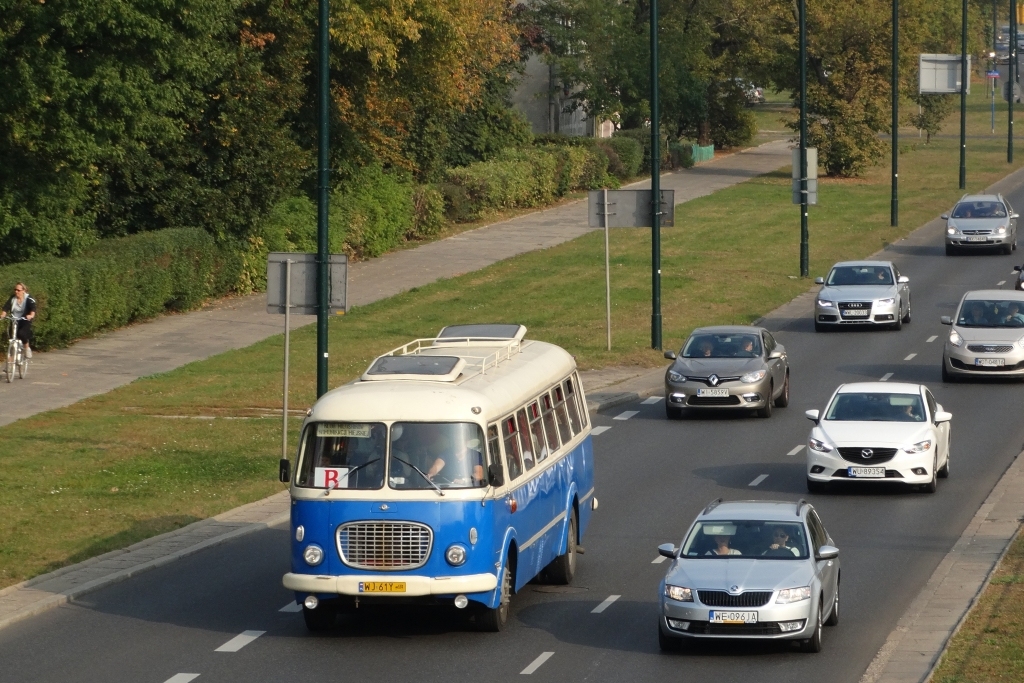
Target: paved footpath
(97,365)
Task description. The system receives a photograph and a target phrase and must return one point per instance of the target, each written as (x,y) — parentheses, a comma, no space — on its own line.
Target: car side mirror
(946,320)
(813,415)
(944,216)
(1016,269)
(776,354)
(668,550)
(819,280)
(1014,215)
(284,470)
(495,475)
(942,416)
(828,552)
(671,355)
(903,279)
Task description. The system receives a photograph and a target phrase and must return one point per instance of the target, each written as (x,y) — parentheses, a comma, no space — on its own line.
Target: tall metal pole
(963,98)
(607,270)
(894,214)
(1011,81)
(655,187)
(804,250)
(323,292)
(287,351)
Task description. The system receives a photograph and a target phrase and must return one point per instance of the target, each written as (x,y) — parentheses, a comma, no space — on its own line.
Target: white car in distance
(879,431)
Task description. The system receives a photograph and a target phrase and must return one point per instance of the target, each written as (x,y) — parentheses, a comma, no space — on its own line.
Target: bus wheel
(320,619)
(563,568)
(494,620)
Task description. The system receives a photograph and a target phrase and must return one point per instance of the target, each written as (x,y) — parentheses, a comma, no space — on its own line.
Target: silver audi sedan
(764,570)
(728,367)
(862,293)
(981,220)
(987,339)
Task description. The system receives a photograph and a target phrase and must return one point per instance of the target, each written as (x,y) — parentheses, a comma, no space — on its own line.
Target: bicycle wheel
(9,363)
(22,363)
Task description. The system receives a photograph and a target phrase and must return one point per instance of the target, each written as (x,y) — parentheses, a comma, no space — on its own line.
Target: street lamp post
(963,98)
(804,237)
(894,212)
(655,187)
(323,292)
(1011,80)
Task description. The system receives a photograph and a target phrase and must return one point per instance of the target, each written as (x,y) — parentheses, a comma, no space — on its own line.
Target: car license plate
(856,314)
(382,587)
(978,238)
(990,362)
(712,393)
(719,617)
(869,472)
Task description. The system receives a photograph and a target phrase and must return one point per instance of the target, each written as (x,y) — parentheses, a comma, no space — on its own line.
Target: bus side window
(584,414)
(570,404)
(533,410)
(529,446)
(547,411)
(561,415)
(493,449)
(513,456)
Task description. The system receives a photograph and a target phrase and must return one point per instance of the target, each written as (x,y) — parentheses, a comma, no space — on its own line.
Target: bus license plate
(990,362)
(869,472)
(718,617)
(382,587)
(701,393)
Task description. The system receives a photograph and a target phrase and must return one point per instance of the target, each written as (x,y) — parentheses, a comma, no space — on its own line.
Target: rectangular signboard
(303,292)
(629,208)
(940,74)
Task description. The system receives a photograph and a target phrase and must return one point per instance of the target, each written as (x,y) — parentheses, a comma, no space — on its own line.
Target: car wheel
(906,318)
(673,413)
(898,325)
(813,644)
(833,616)
(494,620)
(563,568)
(783,400)
(950,250)
(944,470)
(933,485)
(321,618)
(1007,249)
(766,412)
(668,643)
(947,377)
(816,486)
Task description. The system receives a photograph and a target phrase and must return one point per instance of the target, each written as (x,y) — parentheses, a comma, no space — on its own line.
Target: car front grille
(856,305)
(723,599)
(976,232)
(990,348)
(856,454)
(960,365)
(721,380)
(384,546)
(768,628)
(698,401)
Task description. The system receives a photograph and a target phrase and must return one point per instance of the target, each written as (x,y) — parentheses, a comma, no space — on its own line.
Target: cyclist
(22,308)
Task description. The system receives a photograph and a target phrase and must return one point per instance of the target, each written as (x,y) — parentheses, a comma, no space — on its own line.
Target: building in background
(541,98)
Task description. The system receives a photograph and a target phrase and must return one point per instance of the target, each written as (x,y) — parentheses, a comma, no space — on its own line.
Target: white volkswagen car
(879,431)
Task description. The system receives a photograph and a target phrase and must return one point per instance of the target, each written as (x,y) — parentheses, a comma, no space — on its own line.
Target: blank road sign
(940,74)
(630,208)
(303,292)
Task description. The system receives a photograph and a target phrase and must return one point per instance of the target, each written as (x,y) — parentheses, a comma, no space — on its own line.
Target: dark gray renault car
(728,367)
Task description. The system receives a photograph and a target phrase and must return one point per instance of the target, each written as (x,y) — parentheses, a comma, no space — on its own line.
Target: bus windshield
(343,455)
(444,455)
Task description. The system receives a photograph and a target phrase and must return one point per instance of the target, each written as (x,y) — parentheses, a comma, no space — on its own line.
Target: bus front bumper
(415,586)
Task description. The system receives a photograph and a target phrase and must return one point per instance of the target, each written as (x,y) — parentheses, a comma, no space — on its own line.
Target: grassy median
(143,459)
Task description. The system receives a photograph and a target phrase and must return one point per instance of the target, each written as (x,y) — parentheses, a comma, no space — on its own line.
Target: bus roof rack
(484,331)
(437,353)
(711,506)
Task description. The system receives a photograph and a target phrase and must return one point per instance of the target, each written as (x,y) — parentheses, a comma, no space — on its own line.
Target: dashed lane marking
(536,664)
(1000,283)
(239,641)
(182,678)
(599,430)
(625,415)
(651,400)
(885,377)
(291,607)
(796,450)
(606,604)
(910,357)
(759,479)
(932,338)
(659,559)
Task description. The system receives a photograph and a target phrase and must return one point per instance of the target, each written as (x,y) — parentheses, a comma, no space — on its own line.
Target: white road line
(291,607)
(182,678)
(932,338)
(239,641)
(651,400)
(659,559)
(536,664)
(758,480)
(606,604)
(1000,283)
(885,377)
(599,430)
(625,415)
(910,357)
(796,450)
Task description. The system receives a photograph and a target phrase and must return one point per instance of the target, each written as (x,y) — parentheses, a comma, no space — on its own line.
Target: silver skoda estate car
(729,367)
(981,220)
(987,339)
(751,569)
(862,293)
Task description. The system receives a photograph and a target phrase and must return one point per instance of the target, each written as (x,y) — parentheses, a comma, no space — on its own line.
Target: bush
(681,154)
(642,136)
(629,154)
(428,212)
(121,280)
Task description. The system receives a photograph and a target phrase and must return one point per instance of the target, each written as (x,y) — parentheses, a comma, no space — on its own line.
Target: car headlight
(1020,343)
(819,446)
(1001,230)
(950,230)
(313,555)
(755,376)
(675,376)
(824,303)
(788,595)
(955,339)
(919,447)
(885,302)
(455,555)
(678,593)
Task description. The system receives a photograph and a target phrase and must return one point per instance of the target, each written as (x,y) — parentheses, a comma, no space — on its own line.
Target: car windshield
(876,407)
(722,345)
(758,539)
(991,313)
(979,210)
(444,455)
(343,455)
(859,275)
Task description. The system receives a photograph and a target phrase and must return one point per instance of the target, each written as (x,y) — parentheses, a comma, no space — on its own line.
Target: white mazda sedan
(879,431)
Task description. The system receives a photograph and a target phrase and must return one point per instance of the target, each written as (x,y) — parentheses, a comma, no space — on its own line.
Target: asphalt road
(653,476)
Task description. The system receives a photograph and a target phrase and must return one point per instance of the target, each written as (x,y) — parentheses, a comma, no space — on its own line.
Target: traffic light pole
(323,291)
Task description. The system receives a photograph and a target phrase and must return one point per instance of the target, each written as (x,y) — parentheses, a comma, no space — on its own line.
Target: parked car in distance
(981,221)
(987,336)
(879,431)
(729,367)
(763,570)
(862,293)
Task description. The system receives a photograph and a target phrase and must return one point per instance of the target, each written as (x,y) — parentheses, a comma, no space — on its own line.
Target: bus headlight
(455,555)
(313,555)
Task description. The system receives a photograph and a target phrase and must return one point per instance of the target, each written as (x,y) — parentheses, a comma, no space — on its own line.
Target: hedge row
(122,280)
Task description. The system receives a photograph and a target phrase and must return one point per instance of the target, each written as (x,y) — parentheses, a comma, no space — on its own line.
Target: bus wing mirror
(284,471)
(495,476)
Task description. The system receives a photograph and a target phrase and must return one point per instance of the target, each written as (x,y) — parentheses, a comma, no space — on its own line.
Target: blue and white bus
(454,471)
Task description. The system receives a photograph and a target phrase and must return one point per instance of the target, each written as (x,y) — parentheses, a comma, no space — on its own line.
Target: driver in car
(1013,315)
(465,466)
(780,543)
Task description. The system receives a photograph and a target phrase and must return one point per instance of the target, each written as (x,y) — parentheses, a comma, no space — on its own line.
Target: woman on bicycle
(22,308)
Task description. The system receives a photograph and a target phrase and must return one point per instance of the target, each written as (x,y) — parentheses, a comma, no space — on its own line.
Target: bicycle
(15,358)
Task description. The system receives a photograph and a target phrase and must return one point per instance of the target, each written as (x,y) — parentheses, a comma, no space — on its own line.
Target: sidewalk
(97,365)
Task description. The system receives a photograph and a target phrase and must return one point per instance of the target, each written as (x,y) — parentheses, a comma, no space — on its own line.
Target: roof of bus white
(498,391)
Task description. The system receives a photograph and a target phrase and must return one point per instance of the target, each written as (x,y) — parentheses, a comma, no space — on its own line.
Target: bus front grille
(384,546)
